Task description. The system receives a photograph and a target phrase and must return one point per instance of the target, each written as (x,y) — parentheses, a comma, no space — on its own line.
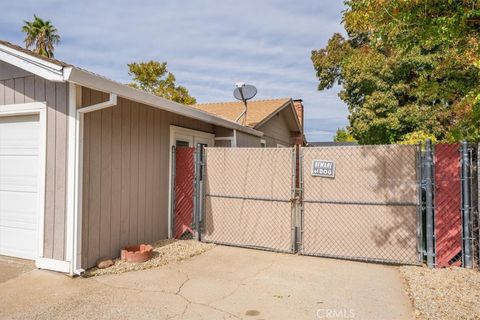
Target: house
(85,161)
(280,120)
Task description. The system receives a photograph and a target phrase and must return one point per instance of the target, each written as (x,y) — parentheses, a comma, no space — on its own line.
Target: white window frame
(279,145)
(35,108)
(263,143)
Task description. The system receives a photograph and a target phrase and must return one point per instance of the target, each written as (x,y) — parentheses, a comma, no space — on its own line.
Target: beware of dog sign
(323,168)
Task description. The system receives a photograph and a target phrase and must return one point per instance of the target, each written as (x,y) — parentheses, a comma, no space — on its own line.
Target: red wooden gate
(448,230)
(184,191)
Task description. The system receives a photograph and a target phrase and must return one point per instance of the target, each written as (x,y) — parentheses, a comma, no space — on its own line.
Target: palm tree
(40,36)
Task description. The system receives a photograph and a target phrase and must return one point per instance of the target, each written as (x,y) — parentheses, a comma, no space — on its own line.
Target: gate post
(294,201)
(300,210)
(197,210)
(429,203)
(419,169)
(467,238)
(172,194)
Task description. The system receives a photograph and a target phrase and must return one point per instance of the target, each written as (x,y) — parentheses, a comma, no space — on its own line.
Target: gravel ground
(449,293)
(164,252)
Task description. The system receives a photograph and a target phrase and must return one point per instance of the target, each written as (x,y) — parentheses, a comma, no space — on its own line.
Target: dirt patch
(164,252)
(450,293)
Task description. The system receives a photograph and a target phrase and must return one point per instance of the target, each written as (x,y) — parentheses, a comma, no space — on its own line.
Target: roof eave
(42,68)
(283,106)
(87,79)
(62,73)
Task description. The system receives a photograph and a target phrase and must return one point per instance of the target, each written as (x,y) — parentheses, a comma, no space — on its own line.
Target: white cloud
(208,44)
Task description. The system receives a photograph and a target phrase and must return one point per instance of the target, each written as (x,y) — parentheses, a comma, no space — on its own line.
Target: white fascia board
(96,82)
(40,67)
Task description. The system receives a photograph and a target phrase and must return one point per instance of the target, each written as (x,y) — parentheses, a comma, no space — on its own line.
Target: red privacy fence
(448,221)
(184,176)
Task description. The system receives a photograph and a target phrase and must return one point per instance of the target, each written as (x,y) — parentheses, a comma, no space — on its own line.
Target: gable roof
(59,71)
(259,111)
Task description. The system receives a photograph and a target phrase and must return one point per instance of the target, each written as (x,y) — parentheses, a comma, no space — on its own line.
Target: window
(263,143)
(182,143)
(279,145)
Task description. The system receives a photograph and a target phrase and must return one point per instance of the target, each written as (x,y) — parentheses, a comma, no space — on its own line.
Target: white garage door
(19,156)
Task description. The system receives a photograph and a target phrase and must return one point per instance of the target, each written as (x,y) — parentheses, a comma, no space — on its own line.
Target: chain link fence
(248,197)
(362,203)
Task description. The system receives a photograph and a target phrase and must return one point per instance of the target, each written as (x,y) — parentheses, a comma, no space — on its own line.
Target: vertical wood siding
(246,140)
(276,130)
(16,87)
(126,173)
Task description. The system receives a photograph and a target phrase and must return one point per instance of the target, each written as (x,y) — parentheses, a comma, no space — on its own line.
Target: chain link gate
(367,207)
(249,198)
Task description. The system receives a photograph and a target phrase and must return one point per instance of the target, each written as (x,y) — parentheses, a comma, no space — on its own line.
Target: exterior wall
(126,175)
(223,132)
(276,131)
(223,143)
(18,86)
(246,140)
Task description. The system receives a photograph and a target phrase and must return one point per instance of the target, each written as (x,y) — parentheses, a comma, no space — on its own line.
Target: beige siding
(126,173)
(276,130)
(246,140)
(18,86)
(223,143)
(223,132)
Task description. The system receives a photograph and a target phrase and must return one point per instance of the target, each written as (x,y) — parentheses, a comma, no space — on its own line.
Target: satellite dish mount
(244,92)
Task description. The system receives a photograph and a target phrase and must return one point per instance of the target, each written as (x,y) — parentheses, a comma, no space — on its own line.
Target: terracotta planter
(140,253)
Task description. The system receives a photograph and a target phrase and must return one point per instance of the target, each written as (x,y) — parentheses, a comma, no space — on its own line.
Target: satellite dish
(244,92)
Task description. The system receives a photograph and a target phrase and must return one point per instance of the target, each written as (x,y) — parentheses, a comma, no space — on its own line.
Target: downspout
(234,141)
(112,101)
(75,268)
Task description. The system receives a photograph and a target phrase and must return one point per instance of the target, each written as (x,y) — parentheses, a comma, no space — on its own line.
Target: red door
(184,191)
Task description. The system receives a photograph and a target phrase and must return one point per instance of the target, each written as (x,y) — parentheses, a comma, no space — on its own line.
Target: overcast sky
(209,45)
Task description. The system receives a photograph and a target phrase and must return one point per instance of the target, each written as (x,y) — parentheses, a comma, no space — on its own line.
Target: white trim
(52,264)
(111,102)
(40,109)
(74,232)
(77,240)
(234,141)
(40,67)
(174,130)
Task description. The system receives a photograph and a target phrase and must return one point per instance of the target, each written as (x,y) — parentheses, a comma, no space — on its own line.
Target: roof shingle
(257,111)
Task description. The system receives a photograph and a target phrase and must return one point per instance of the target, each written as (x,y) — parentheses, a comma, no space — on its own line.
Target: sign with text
(323,168)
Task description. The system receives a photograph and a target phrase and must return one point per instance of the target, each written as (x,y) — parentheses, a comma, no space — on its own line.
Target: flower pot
(139,253)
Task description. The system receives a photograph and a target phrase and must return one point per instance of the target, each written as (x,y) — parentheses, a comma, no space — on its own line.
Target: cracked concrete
(223,283)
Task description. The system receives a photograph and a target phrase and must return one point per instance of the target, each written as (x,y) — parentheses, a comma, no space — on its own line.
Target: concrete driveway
(11,267)
(223,283)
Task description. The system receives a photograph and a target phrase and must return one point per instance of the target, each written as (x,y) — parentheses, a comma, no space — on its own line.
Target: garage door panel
(19,156)
(19,173)
(11,246)
(19,210)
